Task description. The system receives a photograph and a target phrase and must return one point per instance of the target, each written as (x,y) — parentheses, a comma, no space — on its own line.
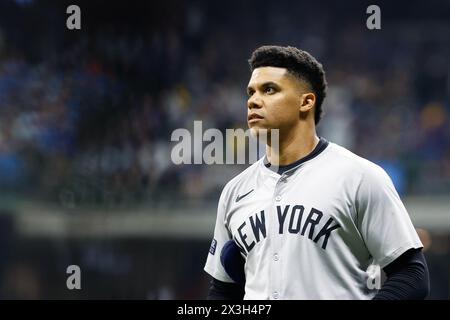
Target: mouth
(253,117)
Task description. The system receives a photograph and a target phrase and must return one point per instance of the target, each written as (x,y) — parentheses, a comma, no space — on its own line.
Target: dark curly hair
(299,63)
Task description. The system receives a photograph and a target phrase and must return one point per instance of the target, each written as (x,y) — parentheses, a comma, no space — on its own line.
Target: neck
(296,144)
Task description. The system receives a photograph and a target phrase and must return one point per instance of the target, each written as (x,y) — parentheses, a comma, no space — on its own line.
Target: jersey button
(277,198)
(275,257)
(275,295)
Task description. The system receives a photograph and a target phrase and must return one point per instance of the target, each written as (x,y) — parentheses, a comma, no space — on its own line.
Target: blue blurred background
(86,118)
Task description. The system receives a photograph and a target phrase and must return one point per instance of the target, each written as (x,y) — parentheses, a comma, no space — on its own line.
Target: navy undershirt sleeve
(225,291)
(407,278)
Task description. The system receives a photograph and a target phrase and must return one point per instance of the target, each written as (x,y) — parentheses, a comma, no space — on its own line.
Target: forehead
(274,74)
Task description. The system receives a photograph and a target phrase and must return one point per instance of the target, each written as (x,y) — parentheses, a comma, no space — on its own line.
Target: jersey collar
(323,143)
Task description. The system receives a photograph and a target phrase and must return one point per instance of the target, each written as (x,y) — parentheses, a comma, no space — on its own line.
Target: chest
(291,207)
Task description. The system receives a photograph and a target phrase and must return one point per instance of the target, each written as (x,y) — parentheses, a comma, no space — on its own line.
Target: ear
(308,101)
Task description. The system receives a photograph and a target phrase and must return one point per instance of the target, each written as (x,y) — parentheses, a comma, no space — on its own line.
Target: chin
(258,131)
(254,131)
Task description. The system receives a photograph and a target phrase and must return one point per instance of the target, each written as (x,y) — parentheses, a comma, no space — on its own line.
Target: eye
(269,90)
(250,93)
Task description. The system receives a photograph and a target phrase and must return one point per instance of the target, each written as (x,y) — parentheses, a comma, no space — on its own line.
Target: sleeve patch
(212,249)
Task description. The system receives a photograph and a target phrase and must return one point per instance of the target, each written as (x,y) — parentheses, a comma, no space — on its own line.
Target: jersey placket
(276,259)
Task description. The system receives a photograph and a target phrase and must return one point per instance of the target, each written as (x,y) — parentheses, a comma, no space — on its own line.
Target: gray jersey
(312,232)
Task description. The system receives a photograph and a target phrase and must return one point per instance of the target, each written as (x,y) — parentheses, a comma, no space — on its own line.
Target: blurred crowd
(86,116)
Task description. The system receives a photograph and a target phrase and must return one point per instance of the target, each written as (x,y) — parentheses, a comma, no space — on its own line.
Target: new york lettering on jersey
(313,225)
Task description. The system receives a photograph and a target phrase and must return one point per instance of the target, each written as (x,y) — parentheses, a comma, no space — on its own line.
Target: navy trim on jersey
(323,143)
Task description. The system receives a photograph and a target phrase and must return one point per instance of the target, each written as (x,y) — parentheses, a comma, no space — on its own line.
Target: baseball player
(309,218)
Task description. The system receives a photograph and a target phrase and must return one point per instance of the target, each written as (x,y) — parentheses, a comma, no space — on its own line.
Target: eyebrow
(263,85)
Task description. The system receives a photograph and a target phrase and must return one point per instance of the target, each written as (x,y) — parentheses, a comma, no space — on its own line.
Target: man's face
(274,99)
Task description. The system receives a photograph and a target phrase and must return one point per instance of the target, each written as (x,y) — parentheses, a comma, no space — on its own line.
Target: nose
(254,102)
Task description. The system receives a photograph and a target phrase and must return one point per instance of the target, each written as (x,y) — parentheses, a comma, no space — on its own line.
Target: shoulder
(365,175)
(350,162)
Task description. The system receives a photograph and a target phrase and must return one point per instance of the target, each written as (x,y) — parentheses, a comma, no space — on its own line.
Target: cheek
(285,107)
